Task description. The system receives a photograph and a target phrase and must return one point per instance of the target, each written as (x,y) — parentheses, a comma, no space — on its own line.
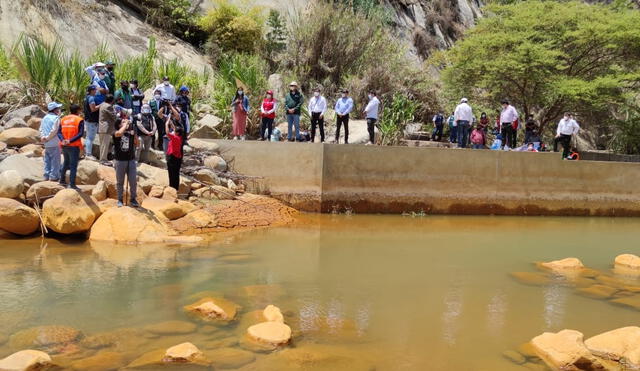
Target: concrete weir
(374,179)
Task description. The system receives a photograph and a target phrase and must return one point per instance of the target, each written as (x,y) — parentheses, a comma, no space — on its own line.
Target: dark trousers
(71,156)
(527,136)
(267,125)
(316,120)
(437,133)
(371,128)
(173,166)
(508,135)
(565,140)
(160,141)
(339,122)
(453,134)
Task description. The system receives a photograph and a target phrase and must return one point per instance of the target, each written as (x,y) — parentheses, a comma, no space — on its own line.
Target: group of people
(293,103)
(465,130)
(127,128)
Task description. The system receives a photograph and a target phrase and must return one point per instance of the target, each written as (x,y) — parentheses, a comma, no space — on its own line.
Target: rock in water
(629,261)
(20,136)
(565,350)
(105,360)
(185,352)
(273,314)
(18,218)
(70,211)
(213,309)
(274,333)
(129,225)
(564,264)
(622,345)
(11,184)
(171,328)
(225,358)
(26,360)
(44,336)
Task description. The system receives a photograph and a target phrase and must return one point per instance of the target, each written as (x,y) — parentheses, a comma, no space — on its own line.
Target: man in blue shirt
(49,137)
(344,106)
(101,86)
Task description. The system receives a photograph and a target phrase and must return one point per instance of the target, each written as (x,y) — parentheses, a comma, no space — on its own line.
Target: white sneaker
(235,138)
(243,137)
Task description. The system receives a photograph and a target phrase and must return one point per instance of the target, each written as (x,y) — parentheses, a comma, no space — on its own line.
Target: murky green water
(360,292)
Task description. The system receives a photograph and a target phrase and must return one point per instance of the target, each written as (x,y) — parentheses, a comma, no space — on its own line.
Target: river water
(360,292)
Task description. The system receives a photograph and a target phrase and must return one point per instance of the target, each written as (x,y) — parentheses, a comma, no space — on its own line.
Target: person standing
(239,111)
(167,90)
(111,76)
(268,113)
(371,115)
(174,153)
(137,96)
(106,126)
(343,108)
(124,96)
(91,119)
(293,105)
(183,98)
(453,128)
(438,127)
(483,126)
(145,123)
(530,129)
(508,124)
(317,109)
(49,136)
(70,135)
(125,143)
(156,105)
(101,86)
(567,128)
(94,68)
(463,117)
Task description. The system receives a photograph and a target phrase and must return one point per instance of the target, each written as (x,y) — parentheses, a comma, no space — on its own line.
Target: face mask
(166,83)
(157,97)
(370,96)
(101,77)
(269,97)
(146,111)
(240,92)
(344,95)
(316,94)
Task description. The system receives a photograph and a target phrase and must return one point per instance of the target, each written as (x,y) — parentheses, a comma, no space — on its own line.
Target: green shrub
(232,29)
(7,68)
(395,117)
(178,17)
(275,39)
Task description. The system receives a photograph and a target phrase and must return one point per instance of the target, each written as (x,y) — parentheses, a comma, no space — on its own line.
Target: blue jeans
(453,134)
(129,169)
(52,163)
(92,129)
(293,119)
(71,156)
(463,133)
(477,146)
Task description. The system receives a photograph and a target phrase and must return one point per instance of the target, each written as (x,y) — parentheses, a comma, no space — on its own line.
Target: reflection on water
(359,292)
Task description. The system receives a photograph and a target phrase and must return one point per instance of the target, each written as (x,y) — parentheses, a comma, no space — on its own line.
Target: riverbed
(359,291)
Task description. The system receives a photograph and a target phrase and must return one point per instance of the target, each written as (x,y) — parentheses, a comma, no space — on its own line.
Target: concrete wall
(373,179)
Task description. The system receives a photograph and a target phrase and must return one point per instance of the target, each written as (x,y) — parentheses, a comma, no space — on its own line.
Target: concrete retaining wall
(372,179)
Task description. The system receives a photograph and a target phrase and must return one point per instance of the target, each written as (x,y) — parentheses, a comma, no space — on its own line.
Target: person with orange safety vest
(70,134)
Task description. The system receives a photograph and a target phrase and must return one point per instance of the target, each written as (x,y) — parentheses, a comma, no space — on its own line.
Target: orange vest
(70,126)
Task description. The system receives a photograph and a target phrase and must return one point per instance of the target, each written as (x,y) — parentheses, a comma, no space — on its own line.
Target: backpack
(439,120)
(476,137)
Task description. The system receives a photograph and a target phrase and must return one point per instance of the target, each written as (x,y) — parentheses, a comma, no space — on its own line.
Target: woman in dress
(239,110)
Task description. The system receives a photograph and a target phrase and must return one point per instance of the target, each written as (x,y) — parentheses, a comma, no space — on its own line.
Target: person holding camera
(125,142)
(175,135)
(146,125)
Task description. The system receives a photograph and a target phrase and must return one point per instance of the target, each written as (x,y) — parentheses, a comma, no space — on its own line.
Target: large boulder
(87,172)
(206,127)
(20,136)
(11,184)
(149,176)
(41,191)
(565,350)
(216,163)
(18,218)
(207,176)
(621,345)
(203,145)
(70,211)
(34,123)
(100,191)
(215,192)
(26,360)
(11,92)
(31,170)
(24,113)
(32,150)
(276,84)
(628,261)
(15,122)
(129,225)
(170,209)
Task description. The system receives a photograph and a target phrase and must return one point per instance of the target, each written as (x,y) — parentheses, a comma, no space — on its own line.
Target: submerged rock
(184,355)
(273,333)
(629,301)
(598,291)
(105,360)
(621,345)
(44,337)
(567,264)
(213,309)
(514,357)
(171,328)
(225,358)
(18,218)
(565,350)
(26,360)
(531,278)
(70,211)
(11,184)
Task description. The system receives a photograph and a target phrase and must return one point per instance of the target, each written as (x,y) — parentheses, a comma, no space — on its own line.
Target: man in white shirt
(317,109)
(371,114)
(567,128)
(167,90)
(508,122)
(463,115)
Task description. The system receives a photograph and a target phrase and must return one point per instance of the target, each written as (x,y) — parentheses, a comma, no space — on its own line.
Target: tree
(276,37)
(547,57)
(234,29)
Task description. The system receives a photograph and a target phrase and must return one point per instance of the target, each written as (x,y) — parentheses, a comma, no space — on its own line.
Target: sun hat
(53,105)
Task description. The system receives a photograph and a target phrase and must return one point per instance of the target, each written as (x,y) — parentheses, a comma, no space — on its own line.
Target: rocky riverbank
(210,199)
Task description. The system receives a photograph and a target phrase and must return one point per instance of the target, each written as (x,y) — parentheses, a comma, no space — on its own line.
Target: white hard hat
(464,100)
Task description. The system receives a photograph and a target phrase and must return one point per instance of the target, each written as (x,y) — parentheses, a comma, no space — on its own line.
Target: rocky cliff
(83,24)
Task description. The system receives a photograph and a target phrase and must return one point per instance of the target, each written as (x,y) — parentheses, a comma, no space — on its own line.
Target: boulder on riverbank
(11,184)
(70,211)
(18,218)
(41,191)
(30,170)
(26,360)
(620,345)
(19,136)
(565,350)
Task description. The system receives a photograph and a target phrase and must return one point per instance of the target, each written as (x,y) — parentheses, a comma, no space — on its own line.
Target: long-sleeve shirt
(463,112)
(371,110)
(167,91)
(49,130)
(344,106)
(107,119)
(75,137)
(294,101)
(568,127)
(318,105)
(508,115)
